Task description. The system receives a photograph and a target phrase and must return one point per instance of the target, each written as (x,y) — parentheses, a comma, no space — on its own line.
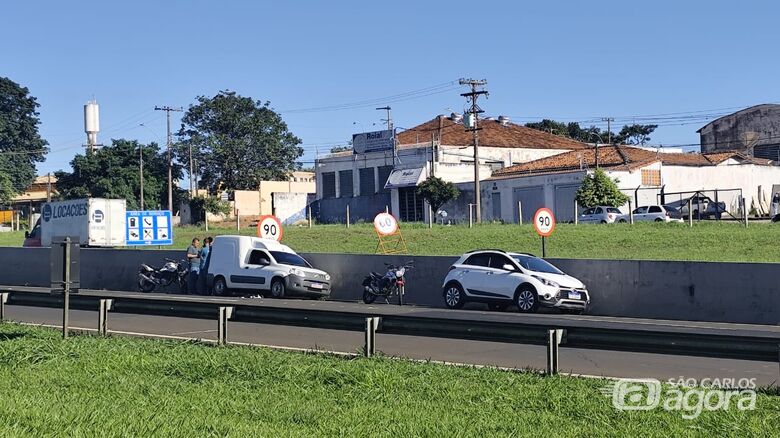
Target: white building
(370,182)
(647,177)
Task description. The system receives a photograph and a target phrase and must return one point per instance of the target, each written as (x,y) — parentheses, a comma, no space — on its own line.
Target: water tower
(91,124)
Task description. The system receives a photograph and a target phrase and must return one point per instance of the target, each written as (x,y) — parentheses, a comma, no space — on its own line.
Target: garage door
(531,198)
(564,202)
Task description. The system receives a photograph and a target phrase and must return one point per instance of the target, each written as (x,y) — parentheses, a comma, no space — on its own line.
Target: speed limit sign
(269,227)
(385,224)
(544,222)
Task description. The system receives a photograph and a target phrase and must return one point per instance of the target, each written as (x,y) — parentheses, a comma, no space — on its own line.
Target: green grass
(706,241)
(90,386)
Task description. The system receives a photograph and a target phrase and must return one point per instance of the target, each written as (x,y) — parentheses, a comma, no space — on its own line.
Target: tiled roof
(492,134)
(614,158)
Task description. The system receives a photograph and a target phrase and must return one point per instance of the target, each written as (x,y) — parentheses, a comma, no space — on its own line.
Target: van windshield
(286,258)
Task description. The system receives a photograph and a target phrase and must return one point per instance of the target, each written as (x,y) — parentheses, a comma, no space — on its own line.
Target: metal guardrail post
(3,300)
(225,313)
(554,337)
(372,323)
(103,308)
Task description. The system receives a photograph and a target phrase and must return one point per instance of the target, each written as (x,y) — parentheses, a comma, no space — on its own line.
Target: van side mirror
(508,267)
(264,262)
(26,234)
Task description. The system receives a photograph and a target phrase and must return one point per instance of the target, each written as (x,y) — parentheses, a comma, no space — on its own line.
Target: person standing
(193,256)
(203,272)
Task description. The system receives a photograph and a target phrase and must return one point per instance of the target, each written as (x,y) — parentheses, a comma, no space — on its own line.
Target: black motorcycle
(387,285)
(172,271)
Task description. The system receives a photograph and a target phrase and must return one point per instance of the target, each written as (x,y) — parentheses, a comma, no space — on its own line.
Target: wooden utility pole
(472,124)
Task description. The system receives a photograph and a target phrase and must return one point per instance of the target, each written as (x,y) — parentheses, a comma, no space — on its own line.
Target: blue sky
(575,61)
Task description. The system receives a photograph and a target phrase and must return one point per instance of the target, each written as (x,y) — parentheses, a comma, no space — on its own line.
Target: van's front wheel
(277,288)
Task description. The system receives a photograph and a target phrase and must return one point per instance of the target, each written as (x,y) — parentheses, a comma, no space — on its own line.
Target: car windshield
(287,258)
(536,264)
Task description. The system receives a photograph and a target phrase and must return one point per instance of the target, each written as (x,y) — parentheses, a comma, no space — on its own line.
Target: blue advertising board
(149,228)
(373,141)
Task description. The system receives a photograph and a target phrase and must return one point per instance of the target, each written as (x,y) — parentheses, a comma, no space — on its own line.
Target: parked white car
(500,279)
(653,213)
(599,215)
(251,263)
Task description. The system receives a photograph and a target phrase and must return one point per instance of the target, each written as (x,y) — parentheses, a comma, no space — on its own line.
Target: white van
(251,263)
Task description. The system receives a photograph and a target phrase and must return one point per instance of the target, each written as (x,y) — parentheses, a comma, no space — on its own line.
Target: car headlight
(546,282)
(327,277)
(298,272)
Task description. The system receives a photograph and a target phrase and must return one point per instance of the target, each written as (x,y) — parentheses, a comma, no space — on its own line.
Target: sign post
(391,241)
(64,263)
(269,227)
(544,224)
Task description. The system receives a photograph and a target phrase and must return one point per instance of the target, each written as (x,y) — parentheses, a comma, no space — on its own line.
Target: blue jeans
(192,283)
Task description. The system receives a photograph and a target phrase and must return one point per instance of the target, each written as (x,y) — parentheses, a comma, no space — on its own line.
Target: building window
(345,184)
(651,177)
(367,185)
(410,204)
(384,174)
(329,185)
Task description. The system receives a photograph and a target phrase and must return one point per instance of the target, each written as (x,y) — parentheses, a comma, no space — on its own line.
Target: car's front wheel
(454,297)
(526,299)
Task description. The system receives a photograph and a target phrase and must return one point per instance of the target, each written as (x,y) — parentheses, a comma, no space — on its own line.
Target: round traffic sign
(544,222)
(385,224)
(269,227)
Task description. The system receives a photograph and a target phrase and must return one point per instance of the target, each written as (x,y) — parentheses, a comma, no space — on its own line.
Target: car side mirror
(26,234)
(265,262)
(508,267)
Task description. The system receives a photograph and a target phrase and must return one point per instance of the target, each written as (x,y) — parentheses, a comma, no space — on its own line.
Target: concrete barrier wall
(697,291)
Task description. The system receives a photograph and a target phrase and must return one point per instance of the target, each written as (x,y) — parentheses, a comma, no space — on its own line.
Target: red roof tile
(492,134)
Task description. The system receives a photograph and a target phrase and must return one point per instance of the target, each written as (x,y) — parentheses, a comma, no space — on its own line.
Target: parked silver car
(599,215)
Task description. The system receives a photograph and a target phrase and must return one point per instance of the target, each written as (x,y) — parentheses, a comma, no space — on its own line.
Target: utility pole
(472,124)
(141,171)
(389,121)
(609,120)
(168,110)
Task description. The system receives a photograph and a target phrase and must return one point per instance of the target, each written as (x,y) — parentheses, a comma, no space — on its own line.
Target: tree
(113,172)
(336,149)
(571,130)
(20,144)
(634,134)
(437,192)
(549,126)
(600,189)
(237,142)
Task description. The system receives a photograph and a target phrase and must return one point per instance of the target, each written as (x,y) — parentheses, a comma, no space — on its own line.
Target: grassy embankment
(706,241)
(90,386)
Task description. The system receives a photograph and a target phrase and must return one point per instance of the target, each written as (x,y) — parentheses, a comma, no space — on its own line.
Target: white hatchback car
(599,215)
(653,213)
(251,263)
(500,278)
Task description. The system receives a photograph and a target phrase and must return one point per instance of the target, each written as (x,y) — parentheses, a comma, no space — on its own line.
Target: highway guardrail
(720,340)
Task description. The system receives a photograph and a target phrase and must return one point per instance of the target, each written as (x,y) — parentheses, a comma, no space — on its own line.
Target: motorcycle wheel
(368,297)
(400,296)
(145,286)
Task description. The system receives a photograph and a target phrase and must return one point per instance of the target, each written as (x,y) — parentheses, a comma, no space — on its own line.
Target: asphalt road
(576,361)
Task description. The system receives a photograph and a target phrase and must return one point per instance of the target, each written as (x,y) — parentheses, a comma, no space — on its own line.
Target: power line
(367,103)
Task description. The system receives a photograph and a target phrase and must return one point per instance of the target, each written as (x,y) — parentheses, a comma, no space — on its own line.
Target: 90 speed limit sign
(544,222)
(269,227)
